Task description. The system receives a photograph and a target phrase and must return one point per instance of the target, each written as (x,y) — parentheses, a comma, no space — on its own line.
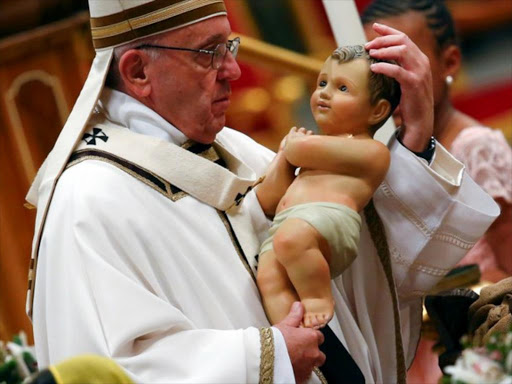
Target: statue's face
(341,101)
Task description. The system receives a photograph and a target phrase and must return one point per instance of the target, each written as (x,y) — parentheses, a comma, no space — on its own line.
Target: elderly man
(147,230)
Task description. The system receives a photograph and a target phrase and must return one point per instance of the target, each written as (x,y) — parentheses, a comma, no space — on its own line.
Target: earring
(449,80)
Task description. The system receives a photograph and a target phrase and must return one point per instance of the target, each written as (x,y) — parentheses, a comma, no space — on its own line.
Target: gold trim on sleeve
(320,375)
(267,356)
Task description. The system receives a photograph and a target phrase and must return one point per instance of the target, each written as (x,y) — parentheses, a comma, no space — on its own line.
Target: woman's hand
(415,78)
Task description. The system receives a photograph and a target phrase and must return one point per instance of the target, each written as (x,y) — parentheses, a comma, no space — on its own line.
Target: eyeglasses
(217,54)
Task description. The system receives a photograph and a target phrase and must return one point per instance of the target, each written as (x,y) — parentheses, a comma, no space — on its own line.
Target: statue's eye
(343,88)
(322,83)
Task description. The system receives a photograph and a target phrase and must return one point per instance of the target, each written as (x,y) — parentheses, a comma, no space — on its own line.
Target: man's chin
(219,122)
(210,132)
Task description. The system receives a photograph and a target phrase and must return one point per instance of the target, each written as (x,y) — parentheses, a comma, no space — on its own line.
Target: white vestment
(159,286)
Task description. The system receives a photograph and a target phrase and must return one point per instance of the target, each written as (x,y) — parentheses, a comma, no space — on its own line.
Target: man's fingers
(302,344)
(294,317)
(321,360)
(321,337)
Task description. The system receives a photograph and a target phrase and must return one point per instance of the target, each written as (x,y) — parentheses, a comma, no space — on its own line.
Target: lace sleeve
(488,159)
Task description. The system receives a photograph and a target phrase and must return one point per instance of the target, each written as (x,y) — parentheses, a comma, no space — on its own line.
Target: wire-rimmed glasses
(217,54)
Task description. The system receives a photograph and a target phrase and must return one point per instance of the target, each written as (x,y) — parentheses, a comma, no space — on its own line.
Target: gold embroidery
(240,197)
(320,375)
(171,11)
(110,30)
(235,243)
(266,356)
(188,144)
(167,193)
(210,154)
(151,18)
(31,274)
(213,9)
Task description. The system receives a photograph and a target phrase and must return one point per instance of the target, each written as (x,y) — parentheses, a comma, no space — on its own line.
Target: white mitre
(113,23)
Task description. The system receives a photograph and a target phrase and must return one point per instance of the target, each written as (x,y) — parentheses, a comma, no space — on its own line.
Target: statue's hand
(294,133)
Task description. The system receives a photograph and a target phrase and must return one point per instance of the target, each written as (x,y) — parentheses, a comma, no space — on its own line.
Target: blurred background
(45,54)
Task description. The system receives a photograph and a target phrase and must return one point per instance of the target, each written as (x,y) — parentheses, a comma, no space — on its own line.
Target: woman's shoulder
(488,159)
(479,135)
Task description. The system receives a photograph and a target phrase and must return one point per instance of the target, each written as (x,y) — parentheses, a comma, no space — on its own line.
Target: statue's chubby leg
(276,289)
(305,255)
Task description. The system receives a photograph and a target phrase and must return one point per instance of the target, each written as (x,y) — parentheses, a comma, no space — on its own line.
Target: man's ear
(379,112)
(132,69)
(451,60)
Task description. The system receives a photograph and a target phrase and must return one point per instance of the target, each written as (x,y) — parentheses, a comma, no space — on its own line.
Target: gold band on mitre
(151,18)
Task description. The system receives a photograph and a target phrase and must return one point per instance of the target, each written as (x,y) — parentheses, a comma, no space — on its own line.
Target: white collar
(124,110)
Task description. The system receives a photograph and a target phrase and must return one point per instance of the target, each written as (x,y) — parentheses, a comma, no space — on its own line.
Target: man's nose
(229,70)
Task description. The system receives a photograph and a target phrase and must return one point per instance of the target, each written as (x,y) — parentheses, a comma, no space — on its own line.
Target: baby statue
(315,232)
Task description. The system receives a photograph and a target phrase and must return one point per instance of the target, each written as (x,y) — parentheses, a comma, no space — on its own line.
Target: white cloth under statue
(158,285)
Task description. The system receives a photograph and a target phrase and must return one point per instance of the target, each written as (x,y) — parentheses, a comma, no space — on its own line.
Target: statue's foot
(318,312)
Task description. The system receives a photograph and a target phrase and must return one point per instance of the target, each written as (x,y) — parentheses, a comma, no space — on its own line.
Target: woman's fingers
(412,71)
(382,29)
(387,41)
(397,53)
(391,70)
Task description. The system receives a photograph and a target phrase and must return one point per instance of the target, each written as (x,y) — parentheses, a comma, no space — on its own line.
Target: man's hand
(302,343)
(415,78)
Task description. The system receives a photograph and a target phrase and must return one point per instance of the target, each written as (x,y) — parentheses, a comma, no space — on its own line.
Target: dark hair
(379,85)
(437,15)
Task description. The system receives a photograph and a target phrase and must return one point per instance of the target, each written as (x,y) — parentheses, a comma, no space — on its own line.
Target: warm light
(255,100)
(289,89)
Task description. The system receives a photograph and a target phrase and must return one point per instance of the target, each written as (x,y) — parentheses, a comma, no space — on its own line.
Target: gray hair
(114,80)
